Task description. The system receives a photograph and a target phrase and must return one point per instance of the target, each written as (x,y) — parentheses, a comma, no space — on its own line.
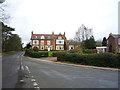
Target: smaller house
(71,45)
(114,43)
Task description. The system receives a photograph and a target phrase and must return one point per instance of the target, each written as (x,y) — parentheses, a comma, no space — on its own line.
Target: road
(10,67)
(43,74)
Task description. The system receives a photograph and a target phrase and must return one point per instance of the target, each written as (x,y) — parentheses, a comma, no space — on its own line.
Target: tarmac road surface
(43,74)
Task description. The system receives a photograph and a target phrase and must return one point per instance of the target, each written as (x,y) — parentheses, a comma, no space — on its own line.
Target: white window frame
(48,42)
(71,46)
(37,42)
(42,37)
(58,41)
(58,47)
(42,42)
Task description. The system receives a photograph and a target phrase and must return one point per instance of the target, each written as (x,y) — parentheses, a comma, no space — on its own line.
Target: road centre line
(28,69)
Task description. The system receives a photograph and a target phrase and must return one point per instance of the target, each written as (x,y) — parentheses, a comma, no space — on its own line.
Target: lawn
(49,52)
(7,53)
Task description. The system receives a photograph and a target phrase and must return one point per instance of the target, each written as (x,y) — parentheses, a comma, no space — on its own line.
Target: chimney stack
(52,33)
(32,32)
(64,33)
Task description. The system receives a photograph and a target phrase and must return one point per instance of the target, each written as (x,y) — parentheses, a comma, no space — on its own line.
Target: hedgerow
(35,54)
(102,59)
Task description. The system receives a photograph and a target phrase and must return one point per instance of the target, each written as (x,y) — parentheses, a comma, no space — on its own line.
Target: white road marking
(21,81)
(35,84)
(37,88)
(28,69)
(33,80)
(22,67)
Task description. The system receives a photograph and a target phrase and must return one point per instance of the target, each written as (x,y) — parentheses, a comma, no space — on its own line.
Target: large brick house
(48,41)
(114,43)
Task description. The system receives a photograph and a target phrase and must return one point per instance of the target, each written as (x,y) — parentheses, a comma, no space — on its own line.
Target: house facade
(114,43)
(48,41)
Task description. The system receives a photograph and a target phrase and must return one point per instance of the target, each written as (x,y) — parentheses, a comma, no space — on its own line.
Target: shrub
(118,57)
(35,49)
(103,59)
(27,52)
(76,50)
(89,51)
(56,53)
(35,54)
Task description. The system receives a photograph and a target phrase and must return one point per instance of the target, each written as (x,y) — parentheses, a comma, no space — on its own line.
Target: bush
(103,59)
(56,53)
(35,54)
(35,49)
(76,50)
(89,51)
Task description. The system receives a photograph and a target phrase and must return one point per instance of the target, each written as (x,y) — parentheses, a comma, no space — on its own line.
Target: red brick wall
(112,44)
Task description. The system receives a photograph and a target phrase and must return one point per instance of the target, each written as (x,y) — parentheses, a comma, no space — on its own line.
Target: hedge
(55,54)
(103,59)
(89,51)
(35,54)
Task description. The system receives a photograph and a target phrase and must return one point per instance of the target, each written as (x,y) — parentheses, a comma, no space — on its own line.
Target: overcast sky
(45,16)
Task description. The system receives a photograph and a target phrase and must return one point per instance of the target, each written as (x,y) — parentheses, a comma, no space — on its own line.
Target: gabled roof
(47,36)
(114,35)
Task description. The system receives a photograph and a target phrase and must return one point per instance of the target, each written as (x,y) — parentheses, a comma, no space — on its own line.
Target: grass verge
(7,53)
(49,52)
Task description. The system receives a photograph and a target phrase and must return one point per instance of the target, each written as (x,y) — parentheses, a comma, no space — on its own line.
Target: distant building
(101,49)
(71,47)
(114,43)
(48,41)
(71,44)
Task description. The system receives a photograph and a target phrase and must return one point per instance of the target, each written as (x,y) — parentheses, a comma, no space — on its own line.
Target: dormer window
(59,37)
(42,37)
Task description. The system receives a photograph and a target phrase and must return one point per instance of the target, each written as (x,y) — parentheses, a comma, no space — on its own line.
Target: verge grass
(49,52)
(7,53)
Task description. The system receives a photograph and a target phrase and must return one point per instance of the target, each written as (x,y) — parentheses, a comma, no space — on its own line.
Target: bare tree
(1,1)
(83,33)
(4,15)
